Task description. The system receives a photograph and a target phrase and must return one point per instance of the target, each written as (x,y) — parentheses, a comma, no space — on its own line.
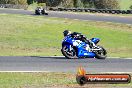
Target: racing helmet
(66,32)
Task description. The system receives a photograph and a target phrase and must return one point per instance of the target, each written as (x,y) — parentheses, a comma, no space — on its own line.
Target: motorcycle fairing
(95,40)
(82,52)
(80,46)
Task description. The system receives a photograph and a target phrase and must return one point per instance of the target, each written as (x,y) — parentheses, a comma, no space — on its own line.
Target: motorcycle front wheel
(70,54)
(101,54)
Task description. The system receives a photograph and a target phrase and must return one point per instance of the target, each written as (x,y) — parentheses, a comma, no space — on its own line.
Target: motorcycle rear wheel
(69,54)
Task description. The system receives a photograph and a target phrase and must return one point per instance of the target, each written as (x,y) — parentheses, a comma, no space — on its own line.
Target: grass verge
(125,4)
(41,36)
(47,80)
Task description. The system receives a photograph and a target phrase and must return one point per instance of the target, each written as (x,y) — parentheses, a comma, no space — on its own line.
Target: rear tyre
(69,54)
(46,13)
(101,54)
(43,12)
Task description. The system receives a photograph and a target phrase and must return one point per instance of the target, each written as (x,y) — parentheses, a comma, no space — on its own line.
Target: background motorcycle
(73,48)
(40,10)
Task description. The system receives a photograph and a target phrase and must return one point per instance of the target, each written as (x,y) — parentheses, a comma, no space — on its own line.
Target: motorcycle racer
(76,45)
(78,36)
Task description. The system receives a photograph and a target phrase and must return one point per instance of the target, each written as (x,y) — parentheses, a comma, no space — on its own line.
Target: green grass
(50,80)
(35,80)
(41,36)
(125,4)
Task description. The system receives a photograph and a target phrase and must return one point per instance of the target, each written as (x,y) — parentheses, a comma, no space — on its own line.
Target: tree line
(99,4)
(15,2)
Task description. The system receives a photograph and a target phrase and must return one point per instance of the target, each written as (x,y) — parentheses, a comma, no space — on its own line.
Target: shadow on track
(56,57)
(51,57)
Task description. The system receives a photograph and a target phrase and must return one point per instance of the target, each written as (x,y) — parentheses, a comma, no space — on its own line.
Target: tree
(4,1)
(22,2)
(53,3)
(107,4)
(67,3)
(31,1)
(78,4)
(130,7)
(88,3)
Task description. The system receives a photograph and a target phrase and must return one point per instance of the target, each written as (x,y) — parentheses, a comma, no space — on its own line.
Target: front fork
(70,48)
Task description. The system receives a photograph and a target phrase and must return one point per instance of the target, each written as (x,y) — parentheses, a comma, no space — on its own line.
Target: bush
(22,2)
(30,1)
(131,7)
(88,3)
(15,2)
(107,4)
(32,6)
(67,3)
(42,4)
(78,4)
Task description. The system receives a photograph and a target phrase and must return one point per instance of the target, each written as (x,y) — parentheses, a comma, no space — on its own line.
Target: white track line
(64,72)
(26,71)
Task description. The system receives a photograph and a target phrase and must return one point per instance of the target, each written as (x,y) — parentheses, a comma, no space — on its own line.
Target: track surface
(61,64)
(125,20)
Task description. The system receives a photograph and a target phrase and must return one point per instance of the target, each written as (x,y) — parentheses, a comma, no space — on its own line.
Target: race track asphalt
(61,64)
(116,19)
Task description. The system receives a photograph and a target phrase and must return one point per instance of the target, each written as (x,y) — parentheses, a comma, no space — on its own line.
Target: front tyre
(37,12)
(70,54)
(101,54)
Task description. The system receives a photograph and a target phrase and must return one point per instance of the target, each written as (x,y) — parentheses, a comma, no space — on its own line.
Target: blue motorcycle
(73,48)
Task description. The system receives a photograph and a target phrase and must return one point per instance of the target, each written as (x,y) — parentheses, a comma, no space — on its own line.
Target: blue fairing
(80,46)
(95,40)
(82,52)
(67,41)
